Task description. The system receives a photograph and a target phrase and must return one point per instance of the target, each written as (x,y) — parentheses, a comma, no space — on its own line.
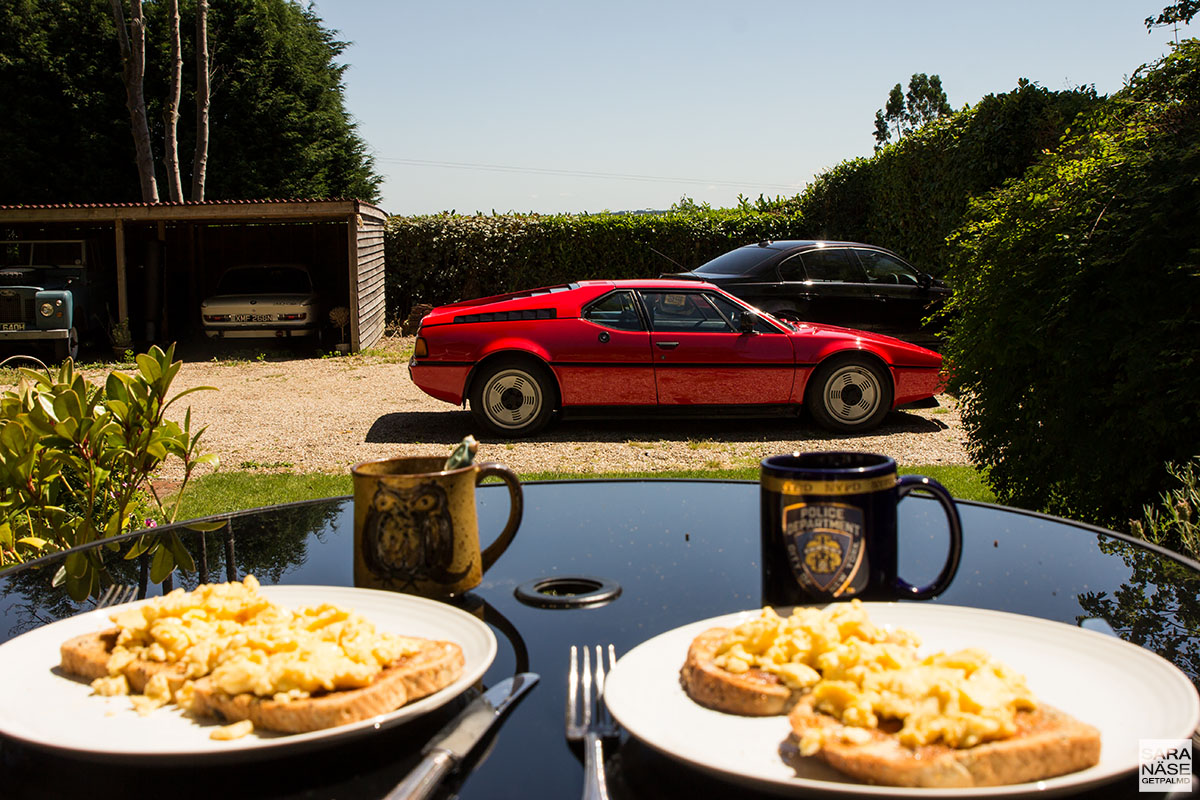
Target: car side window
(617,311)
(792,269)
(684,312)
(733,312)
(830,265)
(882,268)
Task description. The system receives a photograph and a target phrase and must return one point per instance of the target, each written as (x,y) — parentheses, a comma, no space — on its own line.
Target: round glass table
(664,554)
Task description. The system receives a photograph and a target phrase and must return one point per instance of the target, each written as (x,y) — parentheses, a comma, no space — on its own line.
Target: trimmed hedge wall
(442,258)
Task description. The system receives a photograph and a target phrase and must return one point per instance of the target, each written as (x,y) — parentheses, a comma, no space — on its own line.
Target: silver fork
(115,595)
(589,721)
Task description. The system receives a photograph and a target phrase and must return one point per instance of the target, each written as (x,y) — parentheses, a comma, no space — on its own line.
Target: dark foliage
(278,123)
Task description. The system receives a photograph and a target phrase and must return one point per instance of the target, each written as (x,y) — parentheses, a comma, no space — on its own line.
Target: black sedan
(836,283)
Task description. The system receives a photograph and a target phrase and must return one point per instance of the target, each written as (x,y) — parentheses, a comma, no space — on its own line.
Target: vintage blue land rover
(43,296)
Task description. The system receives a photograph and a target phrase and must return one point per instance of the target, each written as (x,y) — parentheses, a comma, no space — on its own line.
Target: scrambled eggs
(862,675)
(247,644)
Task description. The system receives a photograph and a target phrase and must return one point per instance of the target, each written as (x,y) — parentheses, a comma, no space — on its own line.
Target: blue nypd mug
(829,529)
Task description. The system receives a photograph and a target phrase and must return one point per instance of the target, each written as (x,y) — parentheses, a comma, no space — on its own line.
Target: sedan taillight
(421,349)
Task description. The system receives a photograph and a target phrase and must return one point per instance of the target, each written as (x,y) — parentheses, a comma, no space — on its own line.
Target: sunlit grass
(237,490)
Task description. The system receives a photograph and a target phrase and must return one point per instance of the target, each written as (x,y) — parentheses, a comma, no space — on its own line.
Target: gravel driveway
(290,411)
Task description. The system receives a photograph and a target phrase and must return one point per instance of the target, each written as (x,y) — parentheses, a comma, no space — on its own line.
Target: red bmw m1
(645,347)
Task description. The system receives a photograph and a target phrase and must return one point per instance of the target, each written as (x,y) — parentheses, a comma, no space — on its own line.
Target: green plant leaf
(183,559)
(161,564)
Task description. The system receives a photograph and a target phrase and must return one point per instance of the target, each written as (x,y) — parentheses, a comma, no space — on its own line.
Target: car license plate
(12,326)
(253,317)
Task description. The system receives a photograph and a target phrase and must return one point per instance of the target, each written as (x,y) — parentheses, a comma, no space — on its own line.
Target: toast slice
(434,666)
(409,678)
(86,657)
(1047,743)
(755,693)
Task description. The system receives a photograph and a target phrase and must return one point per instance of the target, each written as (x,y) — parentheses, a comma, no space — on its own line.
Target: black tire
(849,394)
(512,397)
(67,348)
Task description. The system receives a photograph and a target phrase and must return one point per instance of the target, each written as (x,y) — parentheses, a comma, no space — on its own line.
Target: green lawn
(234,491)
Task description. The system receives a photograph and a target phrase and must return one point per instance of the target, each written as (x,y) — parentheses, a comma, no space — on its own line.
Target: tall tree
(132,40)
(278,125)
(924,102)
(203,78)
(1174,14)
(171,114)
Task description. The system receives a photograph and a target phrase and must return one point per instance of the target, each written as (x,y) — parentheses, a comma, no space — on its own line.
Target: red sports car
(603,348)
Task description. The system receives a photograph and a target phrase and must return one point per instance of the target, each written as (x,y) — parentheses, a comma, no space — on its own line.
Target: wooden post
(122,292)
(352,255)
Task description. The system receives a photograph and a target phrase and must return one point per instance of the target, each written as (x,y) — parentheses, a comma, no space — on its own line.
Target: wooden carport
(197,239)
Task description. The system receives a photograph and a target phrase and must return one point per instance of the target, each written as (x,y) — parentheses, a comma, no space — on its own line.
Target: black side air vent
(509,316)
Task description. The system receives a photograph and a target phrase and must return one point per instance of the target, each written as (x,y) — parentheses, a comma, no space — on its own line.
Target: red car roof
(566,300)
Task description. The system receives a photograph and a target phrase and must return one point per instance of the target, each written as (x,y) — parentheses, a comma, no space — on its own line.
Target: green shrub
(1075,340)
(75,463)
(1174,522)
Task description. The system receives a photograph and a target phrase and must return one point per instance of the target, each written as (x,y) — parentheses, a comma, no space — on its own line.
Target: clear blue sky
(564,106)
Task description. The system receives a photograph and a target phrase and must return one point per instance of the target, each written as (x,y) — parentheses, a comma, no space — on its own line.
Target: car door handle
(667,345)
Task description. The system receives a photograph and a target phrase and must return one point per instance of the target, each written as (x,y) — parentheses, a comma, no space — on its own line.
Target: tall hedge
(441,258)
(1076,341)
(912,194)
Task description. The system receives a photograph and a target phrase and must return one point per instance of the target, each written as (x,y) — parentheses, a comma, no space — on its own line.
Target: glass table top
(680,551)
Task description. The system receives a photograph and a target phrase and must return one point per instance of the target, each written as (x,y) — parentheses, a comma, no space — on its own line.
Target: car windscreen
(265,280)
(737,262)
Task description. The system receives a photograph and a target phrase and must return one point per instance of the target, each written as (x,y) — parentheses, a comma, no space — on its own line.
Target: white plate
(40,705)
(1125,691)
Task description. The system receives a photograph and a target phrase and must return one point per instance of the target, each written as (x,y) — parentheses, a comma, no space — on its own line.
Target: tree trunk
(133,60)
(200,157)
(171,114)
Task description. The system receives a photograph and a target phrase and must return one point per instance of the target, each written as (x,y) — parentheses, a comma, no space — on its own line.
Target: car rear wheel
(512,398)
(849,394)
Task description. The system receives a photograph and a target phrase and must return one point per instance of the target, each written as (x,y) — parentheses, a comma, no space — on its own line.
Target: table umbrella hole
(568,591)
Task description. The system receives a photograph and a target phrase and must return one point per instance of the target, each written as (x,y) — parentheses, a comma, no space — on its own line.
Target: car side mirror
(924,280)
(748,321)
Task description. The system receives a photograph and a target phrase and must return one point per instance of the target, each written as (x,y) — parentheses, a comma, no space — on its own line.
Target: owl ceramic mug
(415,527)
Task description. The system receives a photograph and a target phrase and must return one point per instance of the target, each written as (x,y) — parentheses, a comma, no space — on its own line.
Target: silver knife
(453,742)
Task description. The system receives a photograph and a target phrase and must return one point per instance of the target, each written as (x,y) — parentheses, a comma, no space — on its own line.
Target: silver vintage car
(261,301)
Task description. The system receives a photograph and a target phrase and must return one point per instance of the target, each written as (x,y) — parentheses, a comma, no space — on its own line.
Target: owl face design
(408,535)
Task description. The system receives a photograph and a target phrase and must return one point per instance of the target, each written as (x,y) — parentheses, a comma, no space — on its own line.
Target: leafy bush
(1175,521)
(75,463)
(1075,340)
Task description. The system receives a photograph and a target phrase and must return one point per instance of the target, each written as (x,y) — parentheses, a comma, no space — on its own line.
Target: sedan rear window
(265,280)
(737,262)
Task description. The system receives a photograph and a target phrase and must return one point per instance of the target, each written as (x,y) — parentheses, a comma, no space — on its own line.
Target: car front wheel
(849,394)
(512,398)
(67,348)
